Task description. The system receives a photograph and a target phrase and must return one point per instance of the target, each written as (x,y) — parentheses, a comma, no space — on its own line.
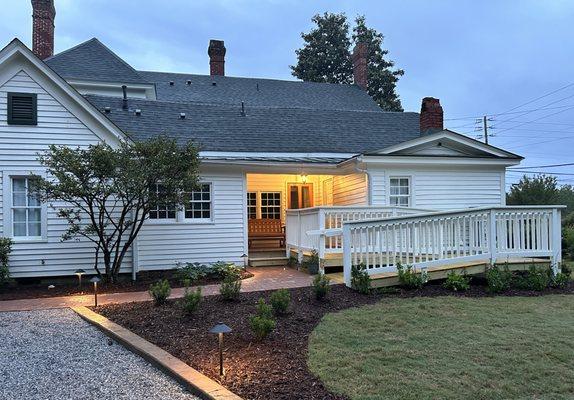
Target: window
(22,109)
(271,205)
(199,204)
(400,192)
(26,209)
(161,210)
(252,205)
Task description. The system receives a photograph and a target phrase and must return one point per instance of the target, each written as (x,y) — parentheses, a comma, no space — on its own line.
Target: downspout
(369,182)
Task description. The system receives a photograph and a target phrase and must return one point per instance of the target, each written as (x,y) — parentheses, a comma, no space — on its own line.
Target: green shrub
(5,250)
(560,280)
(190,301)
(533,279)
(410,278)
(224,269)
(568,242)
(293,261)
(321,286)
(566,269)
(160,291)
(312,264)
(190,273)
(360,279)
(498,280)
(262,323)
(280,300)
(456,282)
(230,287)
(387,290)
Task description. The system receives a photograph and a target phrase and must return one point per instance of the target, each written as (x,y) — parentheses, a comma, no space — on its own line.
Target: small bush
(262,323)
(456,282)
(387,290)
(566,269)
(498,280)
(533,279)
(410,278)
(312,264)
(190,301)
(321,286)
(5,250)
(360,279)
(224,269)
(560,280)
(160,291)
(293,261)
(190,273)
(230,287)
(280,300)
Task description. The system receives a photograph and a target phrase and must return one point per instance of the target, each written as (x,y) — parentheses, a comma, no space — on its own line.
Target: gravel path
(54,354)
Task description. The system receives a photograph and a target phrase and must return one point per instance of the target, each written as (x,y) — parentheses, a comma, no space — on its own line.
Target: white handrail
(448,237)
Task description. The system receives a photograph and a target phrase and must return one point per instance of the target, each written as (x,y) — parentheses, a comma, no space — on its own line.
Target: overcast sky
(478,57)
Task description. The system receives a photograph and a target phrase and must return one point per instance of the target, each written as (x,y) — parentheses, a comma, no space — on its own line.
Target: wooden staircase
(267,258)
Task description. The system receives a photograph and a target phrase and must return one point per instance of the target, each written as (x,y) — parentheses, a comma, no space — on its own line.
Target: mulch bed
(274,368)
(33,288)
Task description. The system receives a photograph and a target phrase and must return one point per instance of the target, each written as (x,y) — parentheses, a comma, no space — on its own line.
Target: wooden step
(266,254)
(268,262)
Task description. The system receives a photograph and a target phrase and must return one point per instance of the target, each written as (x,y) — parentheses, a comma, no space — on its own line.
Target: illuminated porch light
(304,178)
(220,329)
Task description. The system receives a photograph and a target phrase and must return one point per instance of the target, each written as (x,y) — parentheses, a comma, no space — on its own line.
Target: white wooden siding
(19,146)
(350,190)
(443,188)
(161,245)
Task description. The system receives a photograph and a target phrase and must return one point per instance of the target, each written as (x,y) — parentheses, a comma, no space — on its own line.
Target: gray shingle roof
(263,129)
(259,92)
(92,60)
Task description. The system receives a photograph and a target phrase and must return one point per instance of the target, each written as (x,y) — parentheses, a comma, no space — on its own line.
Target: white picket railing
(442,238)
(319,228)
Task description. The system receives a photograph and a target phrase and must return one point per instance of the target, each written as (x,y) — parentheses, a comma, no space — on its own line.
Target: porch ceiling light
(220,329)
(304,178)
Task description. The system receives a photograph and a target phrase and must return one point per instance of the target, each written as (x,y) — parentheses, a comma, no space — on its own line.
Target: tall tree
(326,57)
(382,79)
(108,192)
(538,190)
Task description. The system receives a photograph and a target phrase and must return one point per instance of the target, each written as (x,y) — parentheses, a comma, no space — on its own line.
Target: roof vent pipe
(171,83)
(242,109)
(107,110)
(125,97)
(138,112)
(181,115)
(188,82)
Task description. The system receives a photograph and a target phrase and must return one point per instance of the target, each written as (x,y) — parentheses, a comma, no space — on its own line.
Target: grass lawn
(449,348)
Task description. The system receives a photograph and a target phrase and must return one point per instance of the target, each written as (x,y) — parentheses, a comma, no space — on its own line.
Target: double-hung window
(198,205)
(26,209)
(252,205)
(400,191)
(161,209)
(271,205)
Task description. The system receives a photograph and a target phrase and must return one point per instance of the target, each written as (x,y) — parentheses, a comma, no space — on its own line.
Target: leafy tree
(108,192)
(382,80)
(326,57)
(538,190)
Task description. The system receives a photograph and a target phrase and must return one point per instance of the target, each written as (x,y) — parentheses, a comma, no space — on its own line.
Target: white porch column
(556,240)
(492,236)
(347,254)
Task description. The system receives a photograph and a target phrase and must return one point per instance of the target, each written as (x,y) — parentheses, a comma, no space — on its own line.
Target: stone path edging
(183,373)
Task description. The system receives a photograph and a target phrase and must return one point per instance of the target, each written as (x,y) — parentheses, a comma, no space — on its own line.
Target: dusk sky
(478,57)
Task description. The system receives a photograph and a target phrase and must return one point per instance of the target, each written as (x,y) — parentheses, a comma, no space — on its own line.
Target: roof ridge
(70,49)
(231,105)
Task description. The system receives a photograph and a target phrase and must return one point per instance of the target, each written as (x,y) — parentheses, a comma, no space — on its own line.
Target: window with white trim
(252,205)
(271,205)
(26,209)
(162,209)
(400,191)
(198,205)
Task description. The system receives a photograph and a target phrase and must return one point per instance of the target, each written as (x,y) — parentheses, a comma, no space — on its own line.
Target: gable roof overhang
(460,150)
(19,54)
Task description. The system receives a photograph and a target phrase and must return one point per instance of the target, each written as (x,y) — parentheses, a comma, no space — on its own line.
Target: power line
(544,166)
(541,172)
(541,97)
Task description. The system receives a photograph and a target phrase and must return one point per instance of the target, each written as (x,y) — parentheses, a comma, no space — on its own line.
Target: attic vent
(107,110)
(213,83)
(138,112)
(22,109)
(188,82)
(171,83)
(181,115)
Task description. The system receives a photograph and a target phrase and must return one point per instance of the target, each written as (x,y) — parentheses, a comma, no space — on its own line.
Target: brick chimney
(431,117)
(360,72)
(43,15)
(216,51)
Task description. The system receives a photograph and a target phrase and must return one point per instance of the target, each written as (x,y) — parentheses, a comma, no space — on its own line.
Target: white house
(306,155)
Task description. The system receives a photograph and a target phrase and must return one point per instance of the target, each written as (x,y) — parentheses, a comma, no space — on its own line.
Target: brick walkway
(266,278)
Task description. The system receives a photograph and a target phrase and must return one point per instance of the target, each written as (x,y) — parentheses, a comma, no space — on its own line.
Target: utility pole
(485,129)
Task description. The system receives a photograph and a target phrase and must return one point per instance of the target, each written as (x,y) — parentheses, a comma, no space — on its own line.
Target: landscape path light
(79,273)
(220,329)
(245,258)
(95,281)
